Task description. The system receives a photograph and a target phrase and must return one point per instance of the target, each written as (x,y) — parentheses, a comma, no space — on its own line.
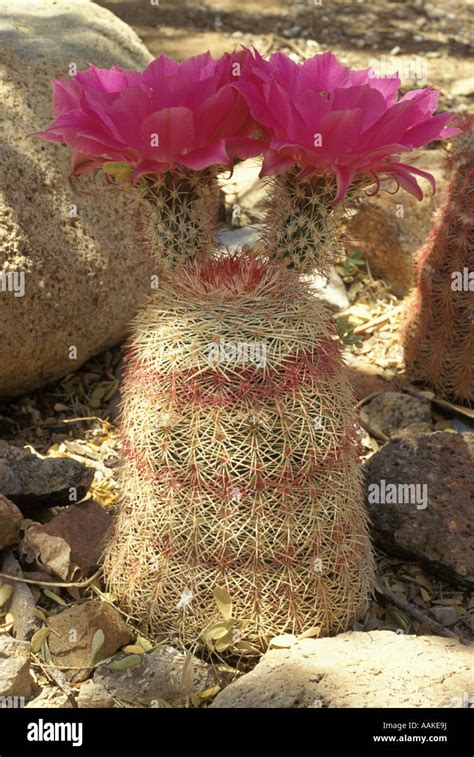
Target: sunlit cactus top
(172,114)
(320,116)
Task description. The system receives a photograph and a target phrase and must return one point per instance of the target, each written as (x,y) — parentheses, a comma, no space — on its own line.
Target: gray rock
(330,290)
(447,616)
(10,519)
(92,695)
(236,238)
(34,482)
(50,698)
(159,676)
(357,669)
(75,243)
(390,412)
(419,497)
(15,677)
(22,603)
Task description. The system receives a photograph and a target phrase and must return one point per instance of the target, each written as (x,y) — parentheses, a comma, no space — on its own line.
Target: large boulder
(419,498)
(75,242)
(377,669)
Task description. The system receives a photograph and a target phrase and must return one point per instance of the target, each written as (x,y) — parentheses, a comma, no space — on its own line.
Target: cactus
(303,227)
(241,474)
(439,329)
(181,214)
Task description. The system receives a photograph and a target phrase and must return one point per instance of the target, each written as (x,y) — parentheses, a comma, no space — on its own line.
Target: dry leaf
(54,553)
(5,593)
(225,642)
(144,643)
(224,601)
(126,663)
(40,614)
(283,641)
(133,649)
(187,673)
(425,594)
(55,597)
(313,631)
(7,624)
(38,639)
(97,644)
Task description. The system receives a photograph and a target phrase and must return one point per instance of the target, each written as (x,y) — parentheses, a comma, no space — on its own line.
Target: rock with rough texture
(50,698)
(72,631)
(22,603)
(158,676)
(72,244)
(15,677)
(432,520)
(357,669)
(92,695)
(390,412)
(391,227)
(30,481)
(330,289)
(233,239)
(10,519)
(70,544)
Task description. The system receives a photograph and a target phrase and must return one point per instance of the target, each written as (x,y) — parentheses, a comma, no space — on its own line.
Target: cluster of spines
(303,226)
(181,211)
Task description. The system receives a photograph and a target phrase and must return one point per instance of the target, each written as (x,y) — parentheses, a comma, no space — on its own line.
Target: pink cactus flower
(172,114)
(321,116)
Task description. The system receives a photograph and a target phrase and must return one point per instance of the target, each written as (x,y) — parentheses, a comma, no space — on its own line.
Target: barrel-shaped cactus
(439,329)
(240,466)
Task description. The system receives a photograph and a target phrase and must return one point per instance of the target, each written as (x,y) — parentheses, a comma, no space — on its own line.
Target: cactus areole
(240,514)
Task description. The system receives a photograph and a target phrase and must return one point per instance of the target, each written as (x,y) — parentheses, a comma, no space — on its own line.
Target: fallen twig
(415,613)
(57,677)
(60,584)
